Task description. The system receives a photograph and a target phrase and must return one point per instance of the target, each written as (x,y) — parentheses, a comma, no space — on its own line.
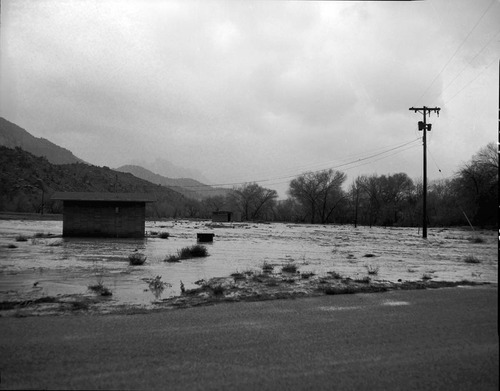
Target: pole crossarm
(425,109)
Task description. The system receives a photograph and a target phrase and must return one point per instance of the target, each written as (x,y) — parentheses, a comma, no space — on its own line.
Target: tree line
(470,196)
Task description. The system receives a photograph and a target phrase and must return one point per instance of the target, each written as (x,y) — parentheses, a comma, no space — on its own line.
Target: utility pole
(424,126)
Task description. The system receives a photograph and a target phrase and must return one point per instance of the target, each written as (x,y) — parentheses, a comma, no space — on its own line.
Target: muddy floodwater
(48,265)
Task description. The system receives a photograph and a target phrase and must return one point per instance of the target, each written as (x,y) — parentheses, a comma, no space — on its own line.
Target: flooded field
(50,265)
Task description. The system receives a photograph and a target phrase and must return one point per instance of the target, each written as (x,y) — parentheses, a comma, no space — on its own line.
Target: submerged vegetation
(195,251)
(290,268)
(136,259)
(471,259)
(100,289)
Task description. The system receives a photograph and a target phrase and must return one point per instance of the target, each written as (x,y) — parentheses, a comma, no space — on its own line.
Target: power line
(470,82)
(458,49)
(362,159)
(470,62)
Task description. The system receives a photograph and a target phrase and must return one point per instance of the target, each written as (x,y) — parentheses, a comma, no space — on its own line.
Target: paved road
(422,340)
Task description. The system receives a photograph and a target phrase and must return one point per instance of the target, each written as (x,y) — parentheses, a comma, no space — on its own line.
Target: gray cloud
(248,90)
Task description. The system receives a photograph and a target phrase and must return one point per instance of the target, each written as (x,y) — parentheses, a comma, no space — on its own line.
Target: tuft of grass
(136,259)
(79,306)
(307,275)
(335,275)
(217,290)
(21,238)
(471,259)
(163,235)
(100,289)
(364,280)
(238,276)
(372,270)
(41,235)
(10,245)
(196,251)
(55,243)
(339,290)
(267,267)
(172,258)
(157,286)
(153,233)
(289,268)
(272,282)
(426,276)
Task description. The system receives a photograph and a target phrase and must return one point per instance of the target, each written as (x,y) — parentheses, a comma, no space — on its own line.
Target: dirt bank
(248,286)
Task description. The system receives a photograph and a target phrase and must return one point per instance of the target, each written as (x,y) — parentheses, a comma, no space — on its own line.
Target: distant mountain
(188,187)
(168,169)
(12,136)
(25,179)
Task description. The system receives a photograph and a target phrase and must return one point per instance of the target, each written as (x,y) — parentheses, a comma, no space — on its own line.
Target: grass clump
(339,290)
(289,268)
(471,259)
(307,275)
(10,245)
(172,258)
(477,239)
(238,276)
(100,289)
(217,290)
(42,235)
(364,280)
(335,275)
(163,235)
(21,238)
(372,270)
(267,267)
(196,251)
(136,259)
(55,243)
(157,286)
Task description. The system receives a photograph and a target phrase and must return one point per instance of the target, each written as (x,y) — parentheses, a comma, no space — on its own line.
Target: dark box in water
(205,237)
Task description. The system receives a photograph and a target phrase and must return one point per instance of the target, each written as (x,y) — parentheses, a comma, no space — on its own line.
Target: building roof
(117,197)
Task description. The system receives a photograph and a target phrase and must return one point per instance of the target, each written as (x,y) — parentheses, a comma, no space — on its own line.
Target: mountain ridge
(26,181)
(187,186)
(12,136)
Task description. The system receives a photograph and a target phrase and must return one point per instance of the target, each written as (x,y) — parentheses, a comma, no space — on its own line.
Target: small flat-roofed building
(118,215)
(224,216)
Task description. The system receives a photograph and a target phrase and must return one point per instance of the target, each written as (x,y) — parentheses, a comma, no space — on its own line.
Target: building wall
(224,217)
(104,219)
(221,217)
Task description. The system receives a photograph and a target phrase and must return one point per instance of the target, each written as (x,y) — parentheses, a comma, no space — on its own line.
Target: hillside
(24,177)
(188,187)
(12,136)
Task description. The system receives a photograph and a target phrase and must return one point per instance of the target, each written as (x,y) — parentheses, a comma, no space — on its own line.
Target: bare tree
(319,193)
(477,184)
(253,201)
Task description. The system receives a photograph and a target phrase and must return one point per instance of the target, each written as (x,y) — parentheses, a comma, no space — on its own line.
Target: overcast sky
(247,91)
